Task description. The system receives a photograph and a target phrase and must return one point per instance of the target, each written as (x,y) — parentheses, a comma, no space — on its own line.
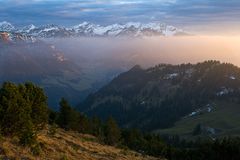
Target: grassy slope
(225,117)
(67,145)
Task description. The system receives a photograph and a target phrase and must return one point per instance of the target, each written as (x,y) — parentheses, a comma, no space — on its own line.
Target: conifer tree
(22,110)
(65,114)
(38,102)
(112,132)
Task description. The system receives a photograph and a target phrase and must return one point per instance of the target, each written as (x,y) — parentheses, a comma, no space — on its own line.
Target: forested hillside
(157,97)
(30,130)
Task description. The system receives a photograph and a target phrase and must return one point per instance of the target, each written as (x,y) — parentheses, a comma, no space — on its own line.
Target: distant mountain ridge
(87,29)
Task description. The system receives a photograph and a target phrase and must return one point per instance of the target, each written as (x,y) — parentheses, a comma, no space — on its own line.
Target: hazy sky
(196,15)
(149,51)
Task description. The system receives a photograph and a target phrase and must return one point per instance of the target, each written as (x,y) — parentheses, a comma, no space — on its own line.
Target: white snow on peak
(133,24)
(112,30)
(80,25)
(116,29)
(50,29)
(84,23)
(6,26)
(170,31)
(5,23)
(85,27)
(134,29)
(29,28)
(100,30)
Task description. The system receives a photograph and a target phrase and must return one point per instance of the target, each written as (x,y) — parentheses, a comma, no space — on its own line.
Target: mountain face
(12,37)
(157,97)
(87,29)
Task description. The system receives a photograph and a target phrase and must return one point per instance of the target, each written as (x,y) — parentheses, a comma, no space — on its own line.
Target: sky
(193,15)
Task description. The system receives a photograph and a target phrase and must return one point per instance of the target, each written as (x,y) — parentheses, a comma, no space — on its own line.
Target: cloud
(183,13)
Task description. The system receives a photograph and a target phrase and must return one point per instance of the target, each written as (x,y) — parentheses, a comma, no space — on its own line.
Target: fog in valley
(126,52)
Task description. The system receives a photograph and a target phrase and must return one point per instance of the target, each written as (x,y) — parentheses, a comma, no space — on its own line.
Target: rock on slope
(67,145)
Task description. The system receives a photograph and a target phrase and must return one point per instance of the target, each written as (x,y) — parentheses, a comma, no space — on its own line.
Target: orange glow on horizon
(190,49)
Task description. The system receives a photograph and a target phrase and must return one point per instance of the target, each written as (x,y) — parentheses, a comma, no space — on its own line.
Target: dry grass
(67,146)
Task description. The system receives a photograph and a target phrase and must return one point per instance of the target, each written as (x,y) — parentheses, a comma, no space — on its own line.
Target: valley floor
(222,120)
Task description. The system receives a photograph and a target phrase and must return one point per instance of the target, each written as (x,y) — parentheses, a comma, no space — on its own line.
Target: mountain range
(87,29)
(167,96)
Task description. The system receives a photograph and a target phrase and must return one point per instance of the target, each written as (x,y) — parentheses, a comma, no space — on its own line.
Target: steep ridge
(157,97)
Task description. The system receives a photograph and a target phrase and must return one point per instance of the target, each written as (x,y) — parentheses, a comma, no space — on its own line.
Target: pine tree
(16,111)
(83,124)
(38,103)
(112,132)
(22,111)
(65,114)
(96,126)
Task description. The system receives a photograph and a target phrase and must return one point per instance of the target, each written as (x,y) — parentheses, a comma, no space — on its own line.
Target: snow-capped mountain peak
(28,29)
(6,26)
(133,24)
(132,29)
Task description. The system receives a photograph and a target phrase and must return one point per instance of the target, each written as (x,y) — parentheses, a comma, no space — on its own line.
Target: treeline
(227,148)
(24,112)
(70,119)
(170,147)
(108,132)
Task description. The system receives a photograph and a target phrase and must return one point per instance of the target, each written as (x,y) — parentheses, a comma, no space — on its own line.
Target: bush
(27,138)
(112,132)
(52,130)
(36,149)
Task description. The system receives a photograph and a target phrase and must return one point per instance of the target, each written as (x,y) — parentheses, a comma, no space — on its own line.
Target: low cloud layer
(148,52)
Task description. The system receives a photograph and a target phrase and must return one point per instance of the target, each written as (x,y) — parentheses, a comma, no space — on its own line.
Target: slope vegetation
(67,145)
